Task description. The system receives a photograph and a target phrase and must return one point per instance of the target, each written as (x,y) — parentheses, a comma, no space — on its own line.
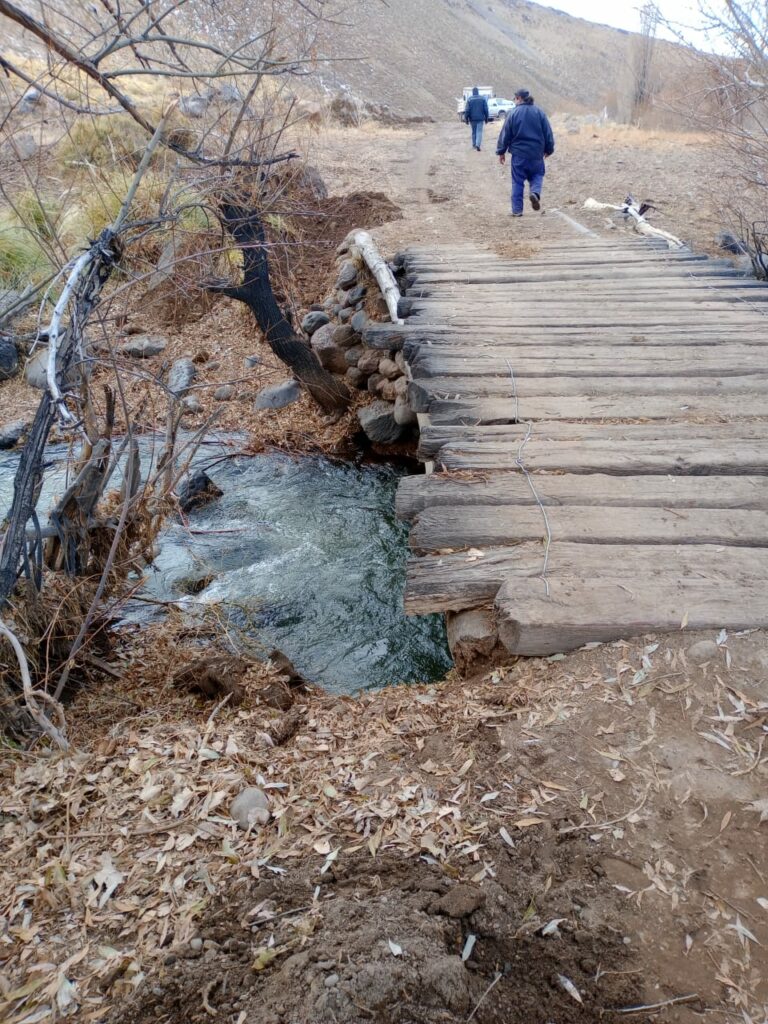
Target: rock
(250,807)
(277,396)
(344,336)
(404,414)
(196,944)
(194,106)
(331,357)
(331,981)
(345,109)
(192,404)
(251,361)
(8,298)
(378,422)
(355,378)
(197,489)
(357,294)
(380,307)
(144,346)
(25,145)
(461,901)
(347,275)
(11,434)
(29,102)
(345,315)
(730,243)
(388,368)
(228,94)
(703,650)
(181,377)
(359,320)
(401,386)
(374,382)
(35,370)
(9,359)
(400,360)
(387,390)
(224,393)
(472,637)
(313,321)
(352,355)
(369,361)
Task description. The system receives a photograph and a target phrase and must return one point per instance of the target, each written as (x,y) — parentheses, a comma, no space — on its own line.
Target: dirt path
(445,189)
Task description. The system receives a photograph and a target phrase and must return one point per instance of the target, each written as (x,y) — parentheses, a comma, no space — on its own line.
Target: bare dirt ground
(563,840)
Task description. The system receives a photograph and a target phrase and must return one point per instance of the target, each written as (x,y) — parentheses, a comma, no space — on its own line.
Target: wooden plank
(699,362)
(643,407)
(392,338)
(619,458)
(450,582)
(512,435)
(583,609)
(494,526)
(422,391)
(482,343)
(442,490)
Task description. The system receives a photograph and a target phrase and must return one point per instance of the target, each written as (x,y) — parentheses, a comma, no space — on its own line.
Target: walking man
(527,135)
(476,115)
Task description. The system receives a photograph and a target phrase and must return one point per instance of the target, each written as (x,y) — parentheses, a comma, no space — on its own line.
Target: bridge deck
(596,418)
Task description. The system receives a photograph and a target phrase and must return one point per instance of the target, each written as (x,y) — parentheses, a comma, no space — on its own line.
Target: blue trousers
(477,132)
(526,168)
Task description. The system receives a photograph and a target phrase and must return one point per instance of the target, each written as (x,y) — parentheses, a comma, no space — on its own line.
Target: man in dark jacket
(476,115)
(527,135)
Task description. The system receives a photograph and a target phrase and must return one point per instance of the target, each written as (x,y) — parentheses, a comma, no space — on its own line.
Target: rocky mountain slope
(418,56)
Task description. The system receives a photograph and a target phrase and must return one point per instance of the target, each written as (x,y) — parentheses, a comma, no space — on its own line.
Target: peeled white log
(379,268)
(641,224)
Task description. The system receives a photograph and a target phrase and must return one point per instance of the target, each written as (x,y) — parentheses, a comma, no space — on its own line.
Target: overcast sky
(625,13)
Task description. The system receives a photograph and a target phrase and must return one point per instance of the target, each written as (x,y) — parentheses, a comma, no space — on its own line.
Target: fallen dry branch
(630,209)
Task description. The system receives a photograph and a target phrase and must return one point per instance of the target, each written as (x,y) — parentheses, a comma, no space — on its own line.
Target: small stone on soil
(144,346)
(251,807)
(278,395)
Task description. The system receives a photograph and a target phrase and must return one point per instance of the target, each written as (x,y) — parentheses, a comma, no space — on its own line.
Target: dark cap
(522,94)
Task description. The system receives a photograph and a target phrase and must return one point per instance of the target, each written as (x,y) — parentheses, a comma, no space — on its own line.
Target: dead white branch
(82,266)
(31,696)
(379,267)
(641,224)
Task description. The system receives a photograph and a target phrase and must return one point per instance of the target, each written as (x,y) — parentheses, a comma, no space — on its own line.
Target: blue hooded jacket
(526,132)
(476,109)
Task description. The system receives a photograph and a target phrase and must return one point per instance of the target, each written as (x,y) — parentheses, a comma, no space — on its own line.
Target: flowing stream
(301,554)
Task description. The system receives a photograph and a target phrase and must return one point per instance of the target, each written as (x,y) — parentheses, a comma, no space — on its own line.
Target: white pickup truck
(497,107)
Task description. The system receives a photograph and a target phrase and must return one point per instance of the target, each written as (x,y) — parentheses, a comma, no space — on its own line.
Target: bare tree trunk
(247,229)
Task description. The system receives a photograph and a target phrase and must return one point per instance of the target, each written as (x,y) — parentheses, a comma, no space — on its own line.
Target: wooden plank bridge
(597,420)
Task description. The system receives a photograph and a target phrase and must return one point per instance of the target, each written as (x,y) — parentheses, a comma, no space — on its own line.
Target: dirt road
(447,190)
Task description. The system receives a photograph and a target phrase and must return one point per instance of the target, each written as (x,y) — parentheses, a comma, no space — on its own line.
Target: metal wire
(529,480)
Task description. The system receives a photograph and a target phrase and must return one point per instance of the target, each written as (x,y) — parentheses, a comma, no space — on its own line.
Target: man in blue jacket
(527,135)
(476,115)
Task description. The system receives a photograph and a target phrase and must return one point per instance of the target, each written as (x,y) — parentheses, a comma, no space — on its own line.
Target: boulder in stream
(196,490)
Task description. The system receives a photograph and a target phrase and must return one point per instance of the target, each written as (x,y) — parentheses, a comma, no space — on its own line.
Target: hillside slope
(418,56)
